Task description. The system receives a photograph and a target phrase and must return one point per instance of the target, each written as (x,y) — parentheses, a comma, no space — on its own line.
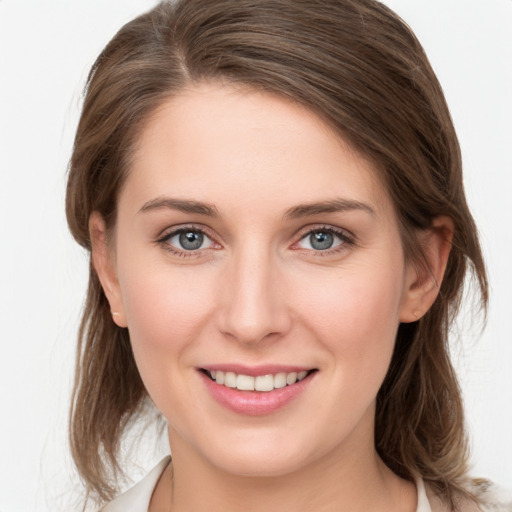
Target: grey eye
(191,240)
(321,240)
(188,240)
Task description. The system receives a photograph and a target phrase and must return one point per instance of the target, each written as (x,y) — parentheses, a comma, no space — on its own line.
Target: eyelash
(346,239)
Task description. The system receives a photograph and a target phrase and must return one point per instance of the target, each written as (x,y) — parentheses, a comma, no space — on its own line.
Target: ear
(104,263)
(423,281)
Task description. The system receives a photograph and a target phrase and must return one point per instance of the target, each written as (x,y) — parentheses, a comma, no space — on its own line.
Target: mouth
(256,391)
(262,383)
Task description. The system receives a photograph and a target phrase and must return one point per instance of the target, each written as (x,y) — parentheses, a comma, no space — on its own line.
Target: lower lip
(255,403)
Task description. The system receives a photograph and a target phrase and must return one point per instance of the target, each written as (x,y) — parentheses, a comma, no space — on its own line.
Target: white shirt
(138,497)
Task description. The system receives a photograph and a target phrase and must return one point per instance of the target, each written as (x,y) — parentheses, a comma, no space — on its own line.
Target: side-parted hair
(360,68)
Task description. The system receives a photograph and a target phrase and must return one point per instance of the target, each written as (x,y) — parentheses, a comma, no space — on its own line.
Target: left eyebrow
(332,206)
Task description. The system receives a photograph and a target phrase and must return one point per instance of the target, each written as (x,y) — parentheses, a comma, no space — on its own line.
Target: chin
(262,466)
(258,459)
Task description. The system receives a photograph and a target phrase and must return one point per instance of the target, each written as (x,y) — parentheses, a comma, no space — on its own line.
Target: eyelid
(172,230)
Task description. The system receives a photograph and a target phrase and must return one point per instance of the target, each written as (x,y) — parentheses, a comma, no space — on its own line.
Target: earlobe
(104,264)
(423,280)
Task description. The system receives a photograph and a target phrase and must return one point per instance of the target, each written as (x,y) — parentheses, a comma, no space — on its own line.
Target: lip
(255,403)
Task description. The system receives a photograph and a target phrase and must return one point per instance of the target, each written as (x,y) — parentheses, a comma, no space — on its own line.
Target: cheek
(166,311)
(356,316)
(165,307)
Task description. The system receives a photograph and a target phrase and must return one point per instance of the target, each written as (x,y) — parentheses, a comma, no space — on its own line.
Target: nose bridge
(253,305)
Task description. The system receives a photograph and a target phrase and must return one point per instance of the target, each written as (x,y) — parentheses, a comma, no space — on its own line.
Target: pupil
(321,241)
(191,240)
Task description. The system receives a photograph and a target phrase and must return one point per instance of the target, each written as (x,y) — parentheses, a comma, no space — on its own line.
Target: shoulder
(138,497)
(490,498)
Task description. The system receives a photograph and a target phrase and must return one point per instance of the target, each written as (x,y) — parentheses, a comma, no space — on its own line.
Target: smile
(256,391)
(264,383)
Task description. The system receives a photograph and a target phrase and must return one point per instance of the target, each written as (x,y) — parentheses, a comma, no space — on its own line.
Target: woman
(271,192)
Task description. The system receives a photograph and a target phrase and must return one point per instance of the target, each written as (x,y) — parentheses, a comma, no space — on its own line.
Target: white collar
(138,497)
(423,503)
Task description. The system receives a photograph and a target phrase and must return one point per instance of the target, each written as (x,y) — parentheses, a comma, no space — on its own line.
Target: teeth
(291,378)
(260,383)
(280,380)
(245,383)
(230,379)
(264,383)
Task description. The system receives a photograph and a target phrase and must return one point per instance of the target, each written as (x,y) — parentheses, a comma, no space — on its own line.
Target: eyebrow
(331,206)
(301,210)
(182,205)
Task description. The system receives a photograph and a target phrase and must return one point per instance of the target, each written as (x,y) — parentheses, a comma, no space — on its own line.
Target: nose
(254,305)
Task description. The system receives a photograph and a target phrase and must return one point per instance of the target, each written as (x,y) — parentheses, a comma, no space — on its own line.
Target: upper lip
(255,371)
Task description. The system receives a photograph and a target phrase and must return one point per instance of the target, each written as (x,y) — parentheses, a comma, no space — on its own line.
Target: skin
(258,293)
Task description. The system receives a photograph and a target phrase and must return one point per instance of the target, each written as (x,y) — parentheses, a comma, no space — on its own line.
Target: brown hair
(359,67)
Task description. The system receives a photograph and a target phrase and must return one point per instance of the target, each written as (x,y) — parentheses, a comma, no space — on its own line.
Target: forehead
(220,143)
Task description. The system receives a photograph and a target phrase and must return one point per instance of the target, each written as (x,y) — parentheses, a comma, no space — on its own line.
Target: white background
(46,49)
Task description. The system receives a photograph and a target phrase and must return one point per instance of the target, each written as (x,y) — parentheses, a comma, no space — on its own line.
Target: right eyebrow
(182,205)
(331,206)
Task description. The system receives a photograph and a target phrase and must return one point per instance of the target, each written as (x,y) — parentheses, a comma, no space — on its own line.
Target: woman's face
(252,241)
